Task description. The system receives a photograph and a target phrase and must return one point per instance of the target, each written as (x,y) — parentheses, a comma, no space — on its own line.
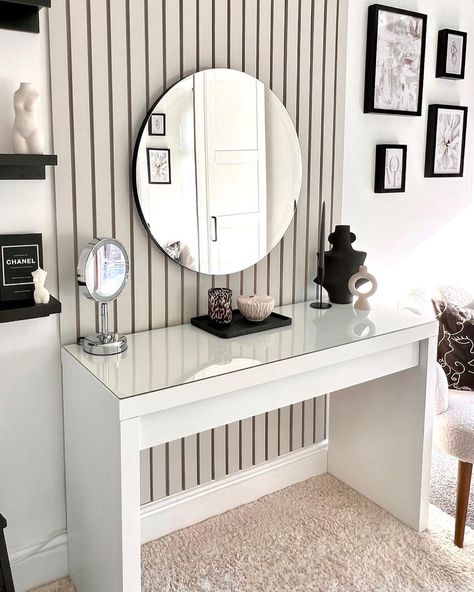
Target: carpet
(444,473)
(316,536)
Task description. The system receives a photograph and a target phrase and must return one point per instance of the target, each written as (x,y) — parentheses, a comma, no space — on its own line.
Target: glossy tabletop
(165,358)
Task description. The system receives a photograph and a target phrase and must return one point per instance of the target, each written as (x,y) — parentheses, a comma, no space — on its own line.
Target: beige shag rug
(316,536)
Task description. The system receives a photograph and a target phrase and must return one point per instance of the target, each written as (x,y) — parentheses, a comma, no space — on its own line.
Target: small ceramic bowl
(255,308)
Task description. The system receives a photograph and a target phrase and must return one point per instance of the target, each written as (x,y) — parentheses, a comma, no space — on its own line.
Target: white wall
(31,457)
(424,236)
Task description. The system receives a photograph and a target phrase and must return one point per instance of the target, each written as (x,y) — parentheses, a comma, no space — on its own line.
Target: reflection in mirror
(217,171)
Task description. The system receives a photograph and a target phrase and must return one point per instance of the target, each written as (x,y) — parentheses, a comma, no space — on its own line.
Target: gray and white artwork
(454,54)
(399,61)
(393,168)
(449,140)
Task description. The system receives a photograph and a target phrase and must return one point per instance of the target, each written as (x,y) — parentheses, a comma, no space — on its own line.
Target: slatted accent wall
(110,60)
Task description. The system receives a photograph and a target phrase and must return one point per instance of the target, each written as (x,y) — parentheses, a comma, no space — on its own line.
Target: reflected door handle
(214,229)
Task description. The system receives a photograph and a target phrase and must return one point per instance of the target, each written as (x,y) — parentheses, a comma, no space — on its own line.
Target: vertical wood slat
(135,49)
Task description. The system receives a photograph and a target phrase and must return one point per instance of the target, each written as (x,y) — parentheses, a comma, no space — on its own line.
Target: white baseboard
(31,568)
(190,507)
(159,518)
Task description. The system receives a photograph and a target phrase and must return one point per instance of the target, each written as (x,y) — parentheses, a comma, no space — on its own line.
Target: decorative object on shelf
(395,60)
(390,168)
(21,254)
(21,15)
(341,262)
(159,166)
(41,294)
(6,579)
(451,59)
(240,325)
(255,308)
(219,305)
(362,302)
(157,124)
(27,134)
(445,141)
(102,274)
(319,279)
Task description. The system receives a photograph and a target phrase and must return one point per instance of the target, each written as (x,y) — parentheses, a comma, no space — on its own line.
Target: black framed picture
(390,168)
(157,124)
(445,141)
(451,60)
(395,59)
(159,166)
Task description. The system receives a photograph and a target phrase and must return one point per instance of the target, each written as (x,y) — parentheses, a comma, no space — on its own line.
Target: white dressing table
(175,382)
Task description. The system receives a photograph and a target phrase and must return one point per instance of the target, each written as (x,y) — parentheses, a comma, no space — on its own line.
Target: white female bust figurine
(41,294)
(27,135)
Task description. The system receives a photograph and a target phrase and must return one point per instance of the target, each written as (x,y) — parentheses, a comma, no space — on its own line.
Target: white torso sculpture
(41,294)
(27,135)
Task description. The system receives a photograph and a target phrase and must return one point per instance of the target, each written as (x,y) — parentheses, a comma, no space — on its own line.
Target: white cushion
(454,429)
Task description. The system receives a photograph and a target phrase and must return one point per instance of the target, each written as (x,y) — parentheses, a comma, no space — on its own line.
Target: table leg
(380,435)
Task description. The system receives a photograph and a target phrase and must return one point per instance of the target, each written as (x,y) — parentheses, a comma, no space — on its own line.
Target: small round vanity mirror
(102,274)
(217,171)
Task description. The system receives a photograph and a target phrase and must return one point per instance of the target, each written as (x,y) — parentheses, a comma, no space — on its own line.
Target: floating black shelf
(21,311)
(25,166)
(21,15)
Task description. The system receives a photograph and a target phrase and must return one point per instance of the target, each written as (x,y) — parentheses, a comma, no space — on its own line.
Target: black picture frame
(431,144)
(149,154)
(150,124)
(371,60)
(380,184)
(442,55)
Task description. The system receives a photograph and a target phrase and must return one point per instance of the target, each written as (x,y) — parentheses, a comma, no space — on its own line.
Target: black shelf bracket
(21,15)
(25,166)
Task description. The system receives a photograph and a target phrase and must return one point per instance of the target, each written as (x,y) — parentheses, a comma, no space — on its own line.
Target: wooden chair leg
(462,501)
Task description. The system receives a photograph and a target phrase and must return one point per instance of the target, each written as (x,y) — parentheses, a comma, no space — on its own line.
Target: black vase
(341,263)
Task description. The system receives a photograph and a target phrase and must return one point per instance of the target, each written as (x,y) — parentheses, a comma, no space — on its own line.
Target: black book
(20,254)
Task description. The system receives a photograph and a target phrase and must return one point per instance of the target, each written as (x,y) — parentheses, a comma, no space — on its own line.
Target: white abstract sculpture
(362,302)
(41,294)
(27,135)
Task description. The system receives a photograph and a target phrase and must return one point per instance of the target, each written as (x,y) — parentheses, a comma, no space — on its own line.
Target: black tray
(240,326)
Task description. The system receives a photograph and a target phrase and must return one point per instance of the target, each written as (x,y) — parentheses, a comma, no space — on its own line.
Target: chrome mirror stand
(105,342)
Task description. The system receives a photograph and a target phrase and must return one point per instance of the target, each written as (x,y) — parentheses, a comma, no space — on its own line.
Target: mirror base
(105,344)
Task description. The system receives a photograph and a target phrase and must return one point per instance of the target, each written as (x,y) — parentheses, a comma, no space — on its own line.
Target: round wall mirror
(102,274)
(217,171)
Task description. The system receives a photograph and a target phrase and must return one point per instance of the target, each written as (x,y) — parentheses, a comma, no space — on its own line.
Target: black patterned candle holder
(220,305)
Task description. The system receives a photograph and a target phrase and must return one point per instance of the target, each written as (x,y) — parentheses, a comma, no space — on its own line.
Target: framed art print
(157,124)
(445,141)
(390,168)
(159,166)
(395,58)
(451,60)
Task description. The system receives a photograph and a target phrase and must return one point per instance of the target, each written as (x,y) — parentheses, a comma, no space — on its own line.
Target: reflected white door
(230,170)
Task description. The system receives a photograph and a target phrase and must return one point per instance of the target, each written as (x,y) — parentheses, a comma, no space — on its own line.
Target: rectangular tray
(240,326)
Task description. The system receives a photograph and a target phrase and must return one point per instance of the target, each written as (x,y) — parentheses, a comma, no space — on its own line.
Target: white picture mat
(398,73)
(449,128)
(454,53)
(393,178)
